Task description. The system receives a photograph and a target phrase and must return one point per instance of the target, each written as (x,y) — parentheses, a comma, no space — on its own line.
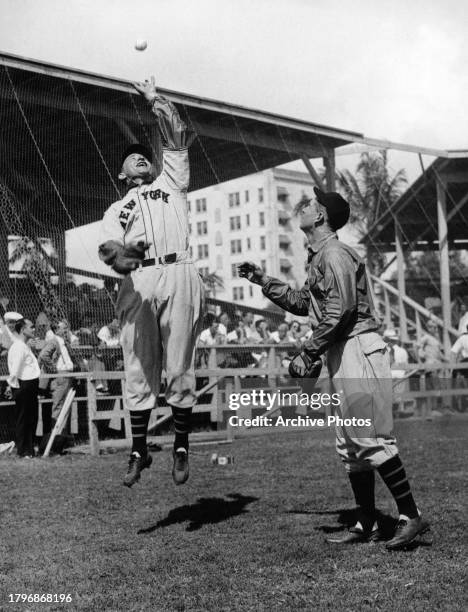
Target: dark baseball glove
(303,366)
(123,259)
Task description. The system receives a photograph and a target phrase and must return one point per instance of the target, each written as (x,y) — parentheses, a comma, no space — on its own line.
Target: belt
(164,259)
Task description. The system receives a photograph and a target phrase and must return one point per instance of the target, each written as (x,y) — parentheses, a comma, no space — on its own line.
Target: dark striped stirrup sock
(139,420)
(394,476)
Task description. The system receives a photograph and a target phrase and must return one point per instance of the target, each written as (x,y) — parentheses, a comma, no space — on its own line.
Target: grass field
(247,537)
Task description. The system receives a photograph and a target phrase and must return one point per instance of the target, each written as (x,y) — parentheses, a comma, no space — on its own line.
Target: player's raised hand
(147,89)
(252,272)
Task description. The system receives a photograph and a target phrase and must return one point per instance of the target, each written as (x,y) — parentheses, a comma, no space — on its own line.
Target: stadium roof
(63,131)
(416,209)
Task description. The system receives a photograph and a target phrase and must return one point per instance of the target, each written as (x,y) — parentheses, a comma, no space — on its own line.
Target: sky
(393,69)
(390,69)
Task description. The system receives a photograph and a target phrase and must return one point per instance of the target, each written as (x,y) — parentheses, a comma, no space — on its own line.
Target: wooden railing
(221,382)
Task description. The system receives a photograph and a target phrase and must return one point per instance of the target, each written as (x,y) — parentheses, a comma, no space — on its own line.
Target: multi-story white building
(250,218)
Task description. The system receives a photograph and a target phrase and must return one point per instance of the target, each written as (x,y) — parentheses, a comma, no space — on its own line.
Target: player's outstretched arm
(296,301)
(174,132)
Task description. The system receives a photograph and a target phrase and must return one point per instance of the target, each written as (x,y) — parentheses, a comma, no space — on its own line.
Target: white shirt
(460,348)
(108,338)
(274,337)
(22,364)
(463,323)
(64,362)
(400,357)
(206,338)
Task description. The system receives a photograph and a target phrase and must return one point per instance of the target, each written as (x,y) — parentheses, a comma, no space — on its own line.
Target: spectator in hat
(398,355)
(24,372)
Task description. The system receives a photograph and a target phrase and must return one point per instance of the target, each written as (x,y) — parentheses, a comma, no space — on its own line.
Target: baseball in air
(141,44)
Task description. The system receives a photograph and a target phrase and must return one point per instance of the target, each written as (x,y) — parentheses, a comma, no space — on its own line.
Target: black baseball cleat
(407,530)
(136,463)
(180,468)
(355,535)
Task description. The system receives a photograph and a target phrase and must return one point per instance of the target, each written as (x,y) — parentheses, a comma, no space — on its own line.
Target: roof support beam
(442,226)
(401,282)
(329,162)
(313,172)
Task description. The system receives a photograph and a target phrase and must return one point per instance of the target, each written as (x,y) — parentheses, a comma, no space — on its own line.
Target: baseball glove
(123,259)
(303,366)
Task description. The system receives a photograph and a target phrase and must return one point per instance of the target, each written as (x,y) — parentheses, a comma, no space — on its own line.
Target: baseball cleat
(407,530)
(136,464)
(355,535)
(180,468)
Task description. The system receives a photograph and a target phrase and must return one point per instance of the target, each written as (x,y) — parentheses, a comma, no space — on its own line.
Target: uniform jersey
(157,213)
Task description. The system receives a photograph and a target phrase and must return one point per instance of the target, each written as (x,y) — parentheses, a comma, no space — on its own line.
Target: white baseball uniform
(160,304)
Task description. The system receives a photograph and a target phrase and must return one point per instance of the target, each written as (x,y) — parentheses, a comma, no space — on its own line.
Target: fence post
(92,425)
(388,313)
(229,428)
(271,366)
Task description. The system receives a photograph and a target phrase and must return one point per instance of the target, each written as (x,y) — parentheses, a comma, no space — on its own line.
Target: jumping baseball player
(145,237)
(336,295)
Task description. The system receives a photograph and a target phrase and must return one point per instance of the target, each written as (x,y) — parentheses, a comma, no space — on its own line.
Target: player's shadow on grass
(346,518)
(205,511)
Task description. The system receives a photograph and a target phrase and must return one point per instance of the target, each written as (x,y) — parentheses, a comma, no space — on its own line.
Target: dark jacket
(335,295)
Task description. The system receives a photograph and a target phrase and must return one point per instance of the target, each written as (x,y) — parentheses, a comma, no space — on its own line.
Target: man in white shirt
(110,334)
(459,353)
(398,355)
(463,322)
(23,379)
(210,336)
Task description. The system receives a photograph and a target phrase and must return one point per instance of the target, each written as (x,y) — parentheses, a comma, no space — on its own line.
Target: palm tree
(212,281)
(371,190)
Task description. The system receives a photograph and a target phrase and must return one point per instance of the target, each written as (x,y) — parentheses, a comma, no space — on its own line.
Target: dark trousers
(27,409)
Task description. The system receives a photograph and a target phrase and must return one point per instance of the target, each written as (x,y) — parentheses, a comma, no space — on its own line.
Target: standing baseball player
(145,236)
(336,295)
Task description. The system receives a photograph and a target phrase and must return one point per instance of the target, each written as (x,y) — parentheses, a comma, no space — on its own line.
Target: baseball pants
(360,371)
(160,310)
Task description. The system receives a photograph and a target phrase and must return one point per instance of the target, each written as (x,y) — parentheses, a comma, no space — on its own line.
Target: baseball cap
(12,316)
(136,148)
(337,207)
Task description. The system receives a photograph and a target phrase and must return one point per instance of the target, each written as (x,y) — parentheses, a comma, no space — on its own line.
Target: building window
(250,290)
(249,244)
(234,223)
(263,265)
(262,243)
(260,194)
(236,247)
(189,228)
(217,215)
(188,205)
(202,228)
(218,238)
(191,251)
(200,205)
(261,218)
(234,270)
(202,251)
(234,199)
(246,196)
(237,293)
(219,262)
(247,220)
